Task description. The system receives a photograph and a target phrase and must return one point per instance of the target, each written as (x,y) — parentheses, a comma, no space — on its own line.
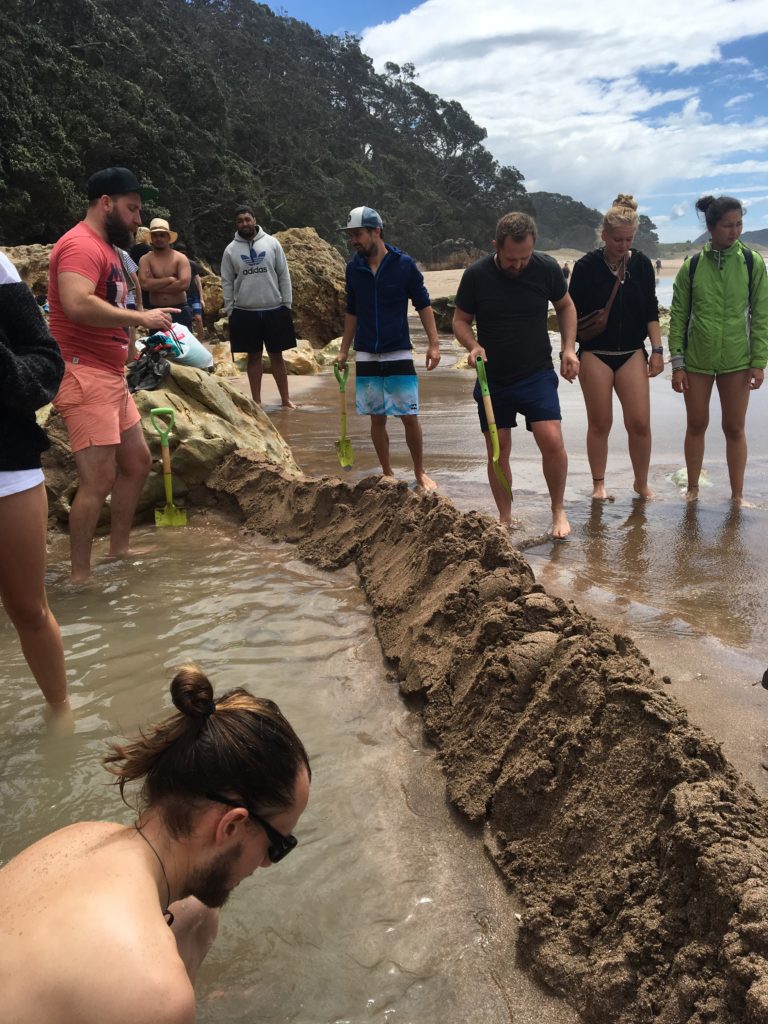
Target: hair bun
(192,692)
(625,199)
(704,203)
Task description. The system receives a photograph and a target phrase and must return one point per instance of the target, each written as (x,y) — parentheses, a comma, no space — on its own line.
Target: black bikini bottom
(615,360)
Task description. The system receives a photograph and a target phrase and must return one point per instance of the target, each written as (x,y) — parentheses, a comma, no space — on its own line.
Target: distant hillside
(564,223)
(756,239)
(219,102)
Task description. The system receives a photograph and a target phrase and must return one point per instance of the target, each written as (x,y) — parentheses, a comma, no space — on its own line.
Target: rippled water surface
(388,910)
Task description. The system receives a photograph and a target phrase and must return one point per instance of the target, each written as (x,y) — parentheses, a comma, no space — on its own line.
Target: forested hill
(217,102)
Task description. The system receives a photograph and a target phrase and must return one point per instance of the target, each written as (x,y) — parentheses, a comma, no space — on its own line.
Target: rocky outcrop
(317,276)
(31,261)
(212,420)
(640,854)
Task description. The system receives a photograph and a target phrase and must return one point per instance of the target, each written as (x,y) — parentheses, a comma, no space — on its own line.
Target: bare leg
(697,409)
(500,496)
(23,525)
(280,374)
(194,927)
(554,462)
(380,439)
(134,463)
(255,372)
(733,389)
(631,383)
(96,468)
(597,381)
(414,440)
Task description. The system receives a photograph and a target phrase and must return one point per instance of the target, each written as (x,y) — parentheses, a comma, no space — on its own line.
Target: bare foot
(78,578)
(426,482)
(59,720)
(643,490)
(739,502)
(691,494)
(137,552)
(599,492)
(288,405)
(560,525)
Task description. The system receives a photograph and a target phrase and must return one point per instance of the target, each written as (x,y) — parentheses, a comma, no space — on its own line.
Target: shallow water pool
(389,909)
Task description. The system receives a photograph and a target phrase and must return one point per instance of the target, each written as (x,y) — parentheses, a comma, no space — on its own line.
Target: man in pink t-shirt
(86,294)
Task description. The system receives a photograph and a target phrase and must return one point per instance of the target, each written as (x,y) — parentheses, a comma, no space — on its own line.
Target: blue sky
(668,100)
(338,16)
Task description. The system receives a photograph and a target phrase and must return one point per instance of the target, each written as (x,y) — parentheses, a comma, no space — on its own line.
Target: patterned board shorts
(386,384)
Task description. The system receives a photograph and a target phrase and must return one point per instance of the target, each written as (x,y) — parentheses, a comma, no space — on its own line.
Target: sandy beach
(442,283)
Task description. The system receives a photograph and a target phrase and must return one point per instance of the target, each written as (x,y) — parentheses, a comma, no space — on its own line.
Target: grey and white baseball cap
(363,217)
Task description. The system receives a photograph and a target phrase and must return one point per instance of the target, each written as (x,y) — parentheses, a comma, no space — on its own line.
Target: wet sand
(688,584)
(639,851)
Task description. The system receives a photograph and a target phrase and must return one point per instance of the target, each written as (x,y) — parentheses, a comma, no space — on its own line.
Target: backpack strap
(692,264)
(749,259)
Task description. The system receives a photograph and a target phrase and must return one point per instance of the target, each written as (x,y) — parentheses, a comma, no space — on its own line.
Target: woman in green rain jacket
(719,333)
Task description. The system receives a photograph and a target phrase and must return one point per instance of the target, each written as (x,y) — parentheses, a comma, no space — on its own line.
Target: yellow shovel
(493,431)
(343,445)
(170,515)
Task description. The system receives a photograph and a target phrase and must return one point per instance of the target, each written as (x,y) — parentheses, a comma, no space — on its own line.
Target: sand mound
(638,850)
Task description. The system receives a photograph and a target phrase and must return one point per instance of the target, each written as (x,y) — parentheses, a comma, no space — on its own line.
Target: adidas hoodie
(254,273)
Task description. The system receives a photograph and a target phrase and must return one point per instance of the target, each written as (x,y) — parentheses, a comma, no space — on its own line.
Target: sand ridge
(638,850)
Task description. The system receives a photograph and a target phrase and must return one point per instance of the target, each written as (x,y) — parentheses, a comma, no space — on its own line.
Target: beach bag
(148,372)
(592,324)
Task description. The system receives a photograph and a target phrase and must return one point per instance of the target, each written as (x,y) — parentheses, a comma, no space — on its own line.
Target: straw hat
(158,224)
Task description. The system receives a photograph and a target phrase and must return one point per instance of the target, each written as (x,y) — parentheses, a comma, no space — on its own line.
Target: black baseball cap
(118,181)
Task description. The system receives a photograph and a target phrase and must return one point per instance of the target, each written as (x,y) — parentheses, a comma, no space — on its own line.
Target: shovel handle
(341,376)
(162,428)
(488,406)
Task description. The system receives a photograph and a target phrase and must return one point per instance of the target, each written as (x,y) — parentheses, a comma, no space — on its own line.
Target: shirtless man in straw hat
(105,923)
(165,273)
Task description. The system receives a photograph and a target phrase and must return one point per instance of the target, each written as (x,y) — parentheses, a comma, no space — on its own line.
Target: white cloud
(735,100)
(580,100)
(678,211)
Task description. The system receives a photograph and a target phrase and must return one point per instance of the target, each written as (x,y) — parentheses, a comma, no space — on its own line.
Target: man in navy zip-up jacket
(380,280)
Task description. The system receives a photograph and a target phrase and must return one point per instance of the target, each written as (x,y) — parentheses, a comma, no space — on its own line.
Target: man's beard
(247,232)
(211,885)
(117,233)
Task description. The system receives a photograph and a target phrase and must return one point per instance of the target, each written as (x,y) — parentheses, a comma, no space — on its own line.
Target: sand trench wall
(637,849)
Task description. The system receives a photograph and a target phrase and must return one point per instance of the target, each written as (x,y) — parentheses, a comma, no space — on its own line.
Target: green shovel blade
(343,446)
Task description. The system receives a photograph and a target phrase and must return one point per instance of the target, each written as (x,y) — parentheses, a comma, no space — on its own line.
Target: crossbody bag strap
(614,290)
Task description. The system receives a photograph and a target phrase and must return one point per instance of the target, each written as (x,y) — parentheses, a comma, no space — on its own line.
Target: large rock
(299,362)
(212,420)
(317,275)
(31,261)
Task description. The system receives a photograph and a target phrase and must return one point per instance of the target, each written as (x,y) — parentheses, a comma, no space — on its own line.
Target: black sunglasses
(279,845)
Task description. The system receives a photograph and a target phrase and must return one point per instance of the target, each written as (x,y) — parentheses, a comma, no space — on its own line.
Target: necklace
(166,913)
(614,267)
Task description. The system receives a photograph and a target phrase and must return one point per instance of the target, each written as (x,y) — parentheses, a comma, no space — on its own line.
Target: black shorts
(184,316)
(252,329)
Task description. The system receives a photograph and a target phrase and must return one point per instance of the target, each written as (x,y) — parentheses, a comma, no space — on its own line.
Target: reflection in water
(390,910)
(712,571)
(686,564)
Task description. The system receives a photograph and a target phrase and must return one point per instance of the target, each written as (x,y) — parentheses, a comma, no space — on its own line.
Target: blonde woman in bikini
(617,360)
